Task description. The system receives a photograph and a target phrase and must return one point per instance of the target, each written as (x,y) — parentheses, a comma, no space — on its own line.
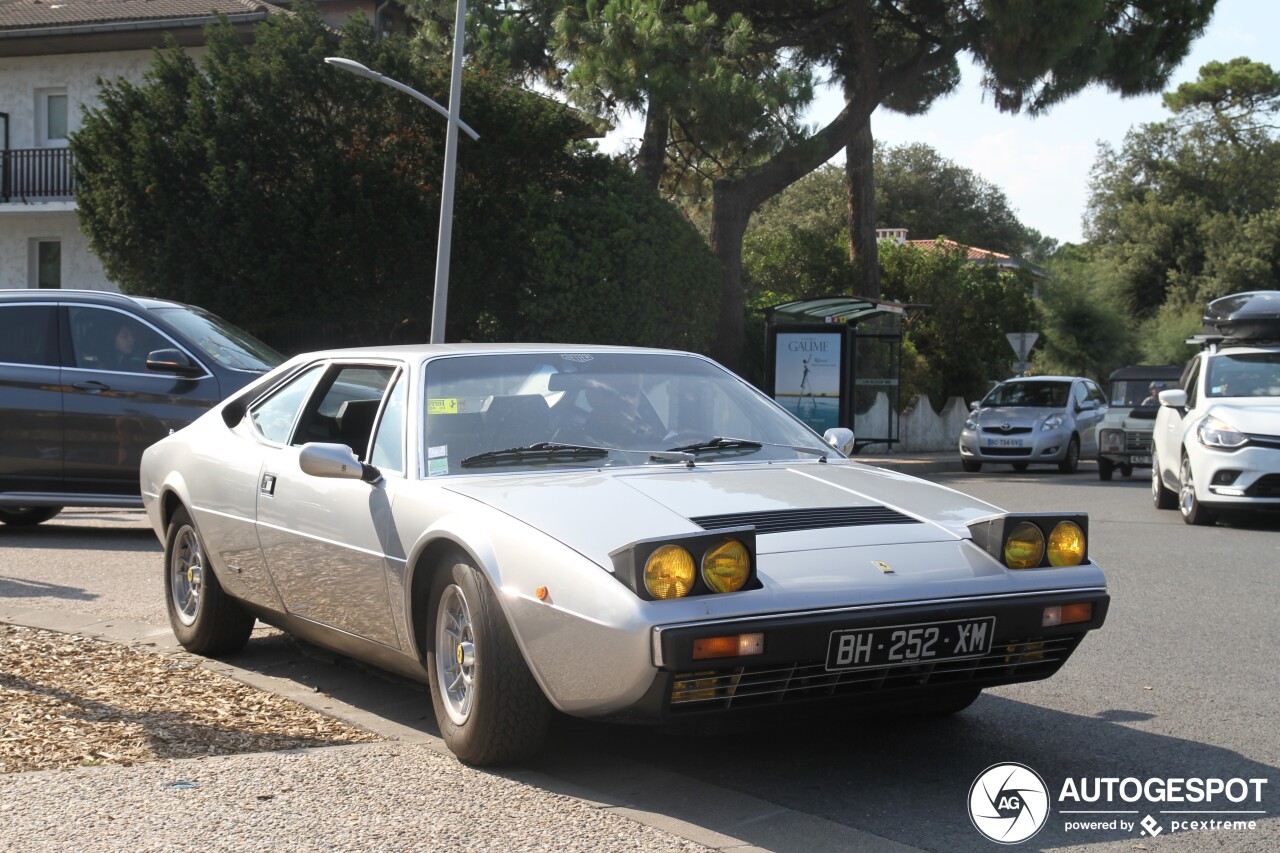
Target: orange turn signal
(1067,614)
(737,645)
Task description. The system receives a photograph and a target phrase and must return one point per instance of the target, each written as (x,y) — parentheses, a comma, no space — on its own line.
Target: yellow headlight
(1066,544)
(726,566)
(1024,546)
(668,573)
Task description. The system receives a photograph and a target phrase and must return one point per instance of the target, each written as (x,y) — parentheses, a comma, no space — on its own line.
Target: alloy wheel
(455,654)
(186,575)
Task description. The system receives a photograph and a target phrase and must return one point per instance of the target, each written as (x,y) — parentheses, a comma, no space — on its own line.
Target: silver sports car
(615,533)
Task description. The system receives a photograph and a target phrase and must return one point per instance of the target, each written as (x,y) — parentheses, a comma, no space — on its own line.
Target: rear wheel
(1105,467)
(1193,512)
(970,466)
(203,617)
(1161,497)
(1071,462)
(27,516)
(489,707)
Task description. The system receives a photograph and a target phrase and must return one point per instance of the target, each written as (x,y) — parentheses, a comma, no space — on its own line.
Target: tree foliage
(1185,210)
(959,334)
(267,185)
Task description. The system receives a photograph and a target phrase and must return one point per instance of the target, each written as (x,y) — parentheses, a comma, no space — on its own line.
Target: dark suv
(89,379)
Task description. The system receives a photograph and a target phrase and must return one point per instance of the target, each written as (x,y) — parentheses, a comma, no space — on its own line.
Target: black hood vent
(787,520)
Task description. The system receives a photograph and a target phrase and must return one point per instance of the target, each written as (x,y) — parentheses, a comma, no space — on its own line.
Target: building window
(46,263)
(51,118)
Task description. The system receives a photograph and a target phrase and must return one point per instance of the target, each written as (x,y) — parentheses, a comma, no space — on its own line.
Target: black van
(89,379)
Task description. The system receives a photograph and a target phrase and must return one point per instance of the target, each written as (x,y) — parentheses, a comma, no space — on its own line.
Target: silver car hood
(1018,416)
(599,511)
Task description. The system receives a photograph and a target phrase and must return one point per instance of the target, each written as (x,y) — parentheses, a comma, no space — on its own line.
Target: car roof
(1042,379)
(1147,371)
(423,349)
(101,297)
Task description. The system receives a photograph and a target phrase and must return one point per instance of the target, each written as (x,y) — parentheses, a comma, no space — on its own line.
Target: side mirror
(975,405)
(1175,397)
(840,438)
(173,361)
(1087,406)
(335,461)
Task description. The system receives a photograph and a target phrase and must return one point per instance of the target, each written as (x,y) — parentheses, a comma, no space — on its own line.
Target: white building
(52,54)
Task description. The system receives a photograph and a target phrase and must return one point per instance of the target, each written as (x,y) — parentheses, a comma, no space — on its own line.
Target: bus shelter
(837,363)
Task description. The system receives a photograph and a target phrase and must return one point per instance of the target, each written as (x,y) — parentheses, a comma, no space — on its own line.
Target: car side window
(388,444)
(102,339)
(1095,394)
(350,396)
(29,335)
(274,416)
(1080,393)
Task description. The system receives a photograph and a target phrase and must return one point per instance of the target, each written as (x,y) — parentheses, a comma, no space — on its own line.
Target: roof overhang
(118,35)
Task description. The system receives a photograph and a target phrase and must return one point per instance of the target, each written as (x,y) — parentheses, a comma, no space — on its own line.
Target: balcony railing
(36,174)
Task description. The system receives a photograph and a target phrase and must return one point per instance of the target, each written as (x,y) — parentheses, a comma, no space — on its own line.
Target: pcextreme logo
(1009,803)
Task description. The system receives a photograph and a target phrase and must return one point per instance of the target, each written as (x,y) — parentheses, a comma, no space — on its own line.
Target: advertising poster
(807,377)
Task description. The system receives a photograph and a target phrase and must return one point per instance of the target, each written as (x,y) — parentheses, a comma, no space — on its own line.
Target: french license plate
(1004,442)
(861,648)
(1140,460)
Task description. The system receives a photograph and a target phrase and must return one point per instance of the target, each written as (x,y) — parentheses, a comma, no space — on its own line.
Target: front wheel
(1105,467)
(488,706)
(27,516)
(970,466)
(1071,462)
(1193,512)
(203,617)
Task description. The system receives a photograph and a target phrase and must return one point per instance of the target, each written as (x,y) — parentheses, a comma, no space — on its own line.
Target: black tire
(27,516)
(1193,512)
(1126,470)
(1105,467)
(488,706)
(1020,466)
(1071,462)
(1161,497)
(970,466)
(203,617)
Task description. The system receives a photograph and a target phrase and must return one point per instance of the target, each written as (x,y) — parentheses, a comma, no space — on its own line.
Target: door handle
(268,486)
(91,387)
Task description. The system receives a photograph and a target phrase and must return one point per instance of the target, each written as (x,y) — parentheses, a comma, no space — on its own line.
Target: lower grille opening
(803,681)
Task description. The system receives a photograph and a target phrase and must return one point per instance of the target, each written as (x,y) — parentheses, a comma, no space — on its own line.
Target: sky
(1042,164)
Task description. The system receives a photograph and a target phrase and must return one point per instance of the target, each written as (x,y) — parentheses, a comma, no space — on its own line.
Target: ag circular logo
(1008,803)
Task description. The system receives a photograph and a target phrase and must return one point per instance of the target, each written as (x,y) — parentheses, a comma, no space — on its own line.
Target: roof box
(1245,316)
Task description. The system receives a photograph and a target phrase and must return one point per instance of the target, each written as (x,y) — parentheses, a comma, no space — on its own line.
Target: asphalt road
(1182,683)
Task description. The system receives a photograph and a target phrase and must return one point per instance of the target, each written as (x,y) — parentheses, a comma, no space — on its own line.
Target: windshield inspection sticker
(437,460)
(442,406)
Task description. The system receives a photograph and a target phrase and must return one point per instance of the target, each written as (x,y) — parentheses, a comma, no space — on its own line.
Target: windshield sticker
(437,460)
(442,406)
(580,357)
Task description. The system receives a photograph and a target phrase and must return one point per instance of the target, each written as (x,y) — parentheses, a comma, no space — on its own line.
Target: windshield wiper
(745,444)
(720,443)
(543,451)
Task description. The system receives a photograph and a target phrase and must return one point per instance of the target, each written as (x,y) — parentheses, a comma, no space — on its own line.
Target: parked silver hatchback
(1034,420)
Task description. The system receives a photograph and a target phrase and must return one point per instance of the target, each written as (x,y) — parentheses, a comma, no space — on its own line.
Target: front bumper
(793,668)
(1035,446)
(1245,478)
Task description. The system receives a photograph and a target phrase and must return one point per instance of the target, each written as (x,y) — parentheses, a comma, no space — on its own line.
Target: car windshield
(1139,392)
(1246,374)
(578,409)
(1044,395)
(222,342)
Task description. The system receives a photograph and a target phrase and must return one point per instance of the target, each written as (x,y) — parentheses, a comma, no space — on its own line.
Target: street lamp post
(440,301)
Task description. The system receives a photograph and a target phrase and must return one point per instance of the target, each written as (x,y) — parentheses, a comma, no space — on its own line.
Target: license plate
(862,648)
(1004,442)
(1140,460)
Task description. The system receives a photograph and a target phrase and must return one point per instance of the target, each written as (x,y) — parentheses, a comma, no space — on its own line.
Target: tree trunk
(651,160)
(730,212)
(859,170)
